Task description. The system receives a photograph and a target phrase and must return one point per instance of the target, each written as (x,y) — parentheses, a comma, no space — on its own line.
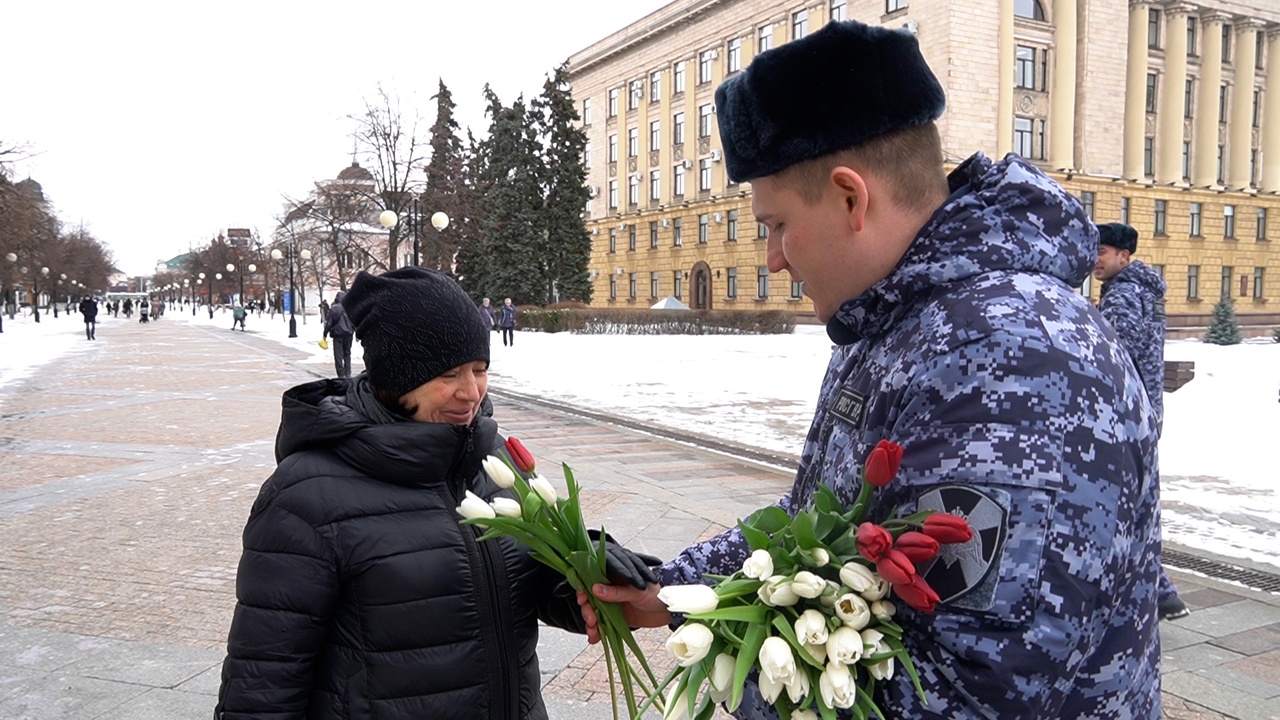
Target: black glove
(627,565)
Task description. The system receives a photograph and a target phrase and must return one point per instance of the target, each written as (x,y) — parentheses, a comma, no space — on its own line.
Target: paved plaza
(129,468)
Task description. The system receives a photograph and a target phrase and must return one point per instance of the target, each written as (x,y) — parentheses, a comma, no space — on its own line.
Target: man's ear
(851,188)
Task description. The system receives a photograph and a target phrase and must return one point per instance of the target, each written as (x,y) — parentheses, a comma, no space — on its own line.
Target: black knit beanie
(415,324)
(1118,236)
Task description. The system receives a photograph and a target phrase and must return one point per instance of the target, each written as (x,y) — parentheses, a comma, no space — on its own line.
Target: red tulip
(882,463)
(520,455)
(896,567)
(917,546)
(917,594)
(873,541)
(947,528)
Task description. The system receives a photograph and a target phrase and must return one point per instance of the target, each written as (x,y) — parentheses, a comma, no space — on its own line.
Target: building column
(1173,88)
(1135,92)
(1204,159)
(1008,58)
(1240,129)
(1062,103)
(1271,118)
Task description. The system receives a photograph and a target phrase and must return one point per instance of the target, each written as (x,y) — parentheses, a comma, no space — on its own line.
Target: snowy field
(1221,489)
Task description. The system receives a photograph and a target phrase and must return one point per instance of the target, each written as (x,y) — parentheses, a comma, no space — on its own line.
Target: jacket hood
(1002,216)
(1140,274)
(315,416)
(341,294)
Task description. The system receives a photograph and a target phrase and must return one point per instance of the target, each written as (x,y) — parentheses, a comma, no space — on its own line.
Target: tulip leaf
(769,520)
(734,589)
(789,634)
(747,657)
(845,545)
(741,613)
(587,565)
(802,526)
(826,712)
(706,710)
(825,500)
(890,628)
(756,539)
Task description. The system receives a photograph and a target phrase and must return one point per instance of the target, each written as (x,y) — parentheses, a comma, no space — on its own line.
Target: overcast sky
(159,124)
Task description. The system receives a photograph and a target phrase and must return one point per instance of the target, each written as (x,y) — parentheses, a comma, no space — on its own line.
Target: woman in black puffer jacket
(360,595)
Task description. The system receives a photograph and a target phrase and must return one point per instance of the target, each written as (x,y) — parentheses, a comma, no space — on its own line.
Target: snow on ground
(1221,491)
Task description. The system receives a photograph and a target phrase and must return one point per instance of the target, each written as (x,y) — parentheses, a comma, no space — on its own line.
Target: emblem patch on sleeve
(964,575)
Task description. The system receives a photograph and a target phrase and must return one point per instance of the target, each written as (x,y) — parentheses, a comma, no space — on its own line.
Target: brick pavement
(129,469)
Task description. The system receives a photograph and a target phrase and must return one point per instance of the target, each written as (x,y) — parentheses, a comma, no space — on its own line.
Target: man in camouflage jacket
(960,337)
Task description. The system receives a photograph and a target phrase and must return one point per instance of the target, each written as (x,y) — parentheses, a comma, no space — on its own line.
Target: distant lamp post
(35,286)
(4,294)
(293,298)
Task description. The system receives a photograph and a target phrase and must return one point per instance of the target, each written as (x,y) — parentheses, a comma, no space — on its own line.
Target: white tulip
(883,610)
(506,507)
(759,565)
(877,591)
(807,585)
(882,670)
(811,627)
(836,686)
(775,659)
(820,557)
(770,689)
(776,592)
(853,611)
(689,598)
(804,715)
(831,594)
(819,652)
(844,646)
(873,643)
(542,486)
(677,706)
(474,507)
(722,677)
(798,685)
(498,472)
(857,577)
(690,643)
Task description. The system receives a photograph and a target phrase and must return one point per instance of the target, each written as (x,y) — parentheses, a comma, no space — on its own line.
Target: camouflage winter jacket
(1133,302)
(1017,409)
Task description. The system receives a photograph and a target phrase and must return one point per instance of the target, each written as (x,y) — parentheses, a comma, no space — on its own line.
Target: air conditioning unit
(595,231)
(666,222)
(686,163)
(715,156)
(618,271)
(912,27)
(593,191)
(635,176)
(713,54)
(713,108)
(717,217)
(637,91)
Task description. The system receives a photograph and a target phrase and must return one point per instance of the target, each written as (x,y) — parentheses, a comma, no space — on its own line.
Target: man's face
(1110,262)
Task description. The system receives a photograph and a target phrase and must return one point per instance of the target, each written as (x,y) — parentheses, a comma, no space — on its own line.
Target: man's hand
(640,608)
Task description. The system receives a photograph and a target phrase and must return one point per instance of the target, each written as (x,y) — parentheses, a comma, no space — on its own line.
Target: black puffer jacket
(360,595)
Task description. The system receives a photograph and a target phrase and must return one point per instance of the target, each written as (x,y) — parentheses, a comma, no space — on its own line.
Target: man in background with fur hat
(960,337)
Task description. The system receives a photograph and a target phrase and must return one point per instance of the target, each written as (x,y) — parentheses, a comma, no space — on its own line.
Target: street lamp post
(293,298)
(439,221)
(4,294)
(35,286)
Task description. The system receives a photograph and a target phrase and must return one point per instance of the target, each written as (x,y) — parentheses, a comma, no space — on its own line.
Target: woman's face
(453,397)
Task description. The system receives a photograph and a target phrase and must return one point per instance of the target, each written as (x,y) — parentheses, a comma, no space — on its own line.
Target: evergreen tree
(514,200)
(566,244)
(470,264)
(444,193)
(1224,330)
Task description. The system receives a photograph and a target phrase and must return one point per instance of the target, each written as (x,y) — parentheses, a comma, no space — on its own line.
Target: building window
(1186,160)
(1196,229)
(586,111)
(631,237)
(799,24)
(1162,217)
(613,287)
(631,286)
(613,148)
(635,91)
(1253,166)
(613,240)
(655,134)
(1022,137)
(1222,104)
(1153,29)
(896,5)
(704,174)
(1227,30)
(762,281)
(677,77)
(762,231)
(633,142)
(1124,210)
(1225,290)
(764,38)
(677,284)
(1159,270)
(733,226)
(655,86)
(1259,277)
(1229,221)
(1148,156)
(677,129)
(704,121)
(586,158)
(1152,85)
(1089,200)
(653,284)
(633,191)
(704,66)
(704,229)
(653,235)
(1260,48)
(1193,282)
(655,185)
(1188,99)
(839,9)
(797,289)
(731,290)
(1191,37)
(1025,70)
(677,180)
(1029,9)
(613,194)
(1222,164)
(677,232)
(613,102)
(1262,224)
(1257,106)
(734,61)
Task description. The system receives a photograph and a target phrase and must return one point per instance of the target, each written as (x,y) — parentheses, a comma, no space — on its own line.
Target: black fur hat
(415,324)
(1118,236)
(835,89)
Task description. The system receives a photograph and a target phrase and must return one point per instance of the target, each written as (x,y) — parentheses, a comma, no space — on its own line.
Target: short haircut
(908,161)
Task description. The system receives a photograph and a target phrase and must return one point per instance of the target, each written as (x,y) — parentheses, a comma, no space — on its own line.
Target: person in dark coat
(486,314)
(89,309)
(507,321)
(338,326)
(359,593)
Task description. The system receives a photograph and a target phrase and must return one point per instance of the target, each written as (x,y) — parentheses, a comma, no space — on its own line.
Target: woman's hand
(640,608)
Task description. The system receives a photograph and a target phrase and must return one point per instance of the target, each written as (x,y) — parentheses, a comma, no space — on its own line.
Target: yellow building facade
(1156,114)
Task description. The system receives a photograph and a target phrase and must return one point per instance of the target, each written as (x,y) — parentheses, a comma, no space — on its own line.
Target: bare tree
(395,154)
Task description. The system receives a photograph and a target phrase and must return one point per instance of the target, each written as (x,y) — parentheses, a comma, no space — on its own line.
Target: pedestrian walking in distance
(507,321)
(237,317)
(338,326)
(89,309)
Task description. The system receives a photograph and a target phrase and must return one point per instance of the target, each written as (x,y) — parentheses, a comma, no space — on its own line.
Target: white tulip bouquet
(810,608)
(552,528)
